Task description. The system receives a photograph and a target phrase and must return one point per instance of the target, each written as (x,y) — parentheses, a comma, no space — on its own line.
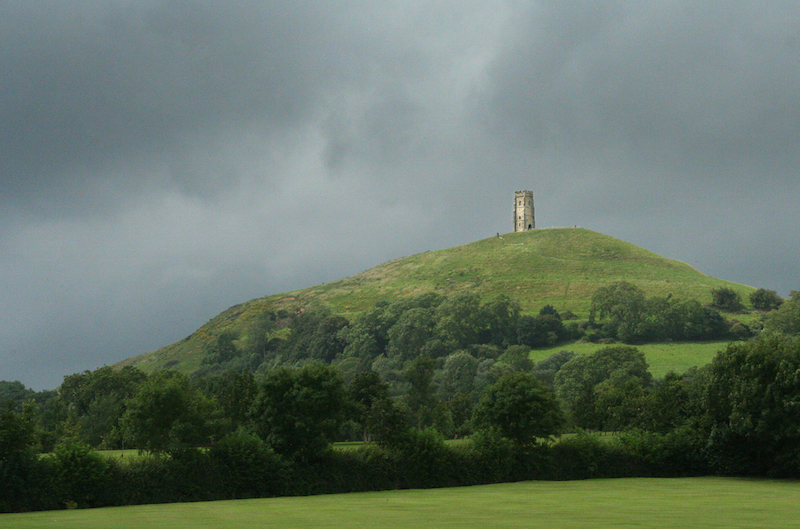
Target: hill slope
(561,267)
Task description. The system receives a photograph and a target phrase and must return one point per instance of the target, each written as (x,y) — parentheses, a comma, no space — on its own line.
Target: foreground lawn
(680,503)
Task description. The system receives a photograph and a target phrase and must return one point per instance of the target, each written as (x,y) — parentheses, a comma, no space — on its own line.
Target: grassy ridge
(679,503)
(561,267)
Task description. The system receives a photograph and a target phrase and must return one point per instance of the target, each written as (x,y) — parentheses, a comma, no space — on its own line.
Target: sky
(163,160)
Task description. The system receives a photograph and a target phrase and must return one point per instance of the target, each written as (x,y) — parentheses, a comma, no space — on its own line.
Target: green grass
(656,503)
(560,267)
(662,357)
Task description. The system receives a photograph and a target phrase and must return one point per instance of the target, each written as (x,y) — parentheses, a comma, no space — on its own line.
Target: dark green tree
(459,320)
(222,349)
(620,302)
(23,483)
(461,408)
(387,423)
(764,299)
(618,402)
(667,406)
(169,415)
(299,413)
(411,332)
(458,374)
(726,299)
(420,398)
(16,392)
(96,400)
(499,318)
(577,381)
(235,392)
(363,392)
(518,357)
(786,318)
(17,431)
(545,370)
(521,409)
(753,403)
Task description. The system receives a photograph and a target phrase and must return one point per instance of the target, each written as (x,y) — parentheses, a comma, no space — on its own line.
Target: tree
(545,371)
(461,408)
(542,330)
(458,374)
(667,406)
(786,318)
(619,301)
(459,320)
(412,331)
(726,299)
(299,413)
(577,381)
(500,321)
(169,415)
(222,349)
(14,391)
(590,370)
(420,397)
(317,335)
(259,340)
(753,406)
(387,423)
(235,392)
(618,402)
(521,409)
(22,483)
(764,299)
(96,401)
(17,432)
(518,357)
(364,391)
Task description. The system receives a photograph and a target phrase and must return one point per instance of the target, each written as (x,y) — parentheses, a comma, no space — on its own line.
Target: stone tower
(523,211)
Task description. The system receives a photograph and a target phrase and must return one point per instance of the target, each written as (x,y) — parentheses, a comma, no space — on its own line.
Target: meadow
(640,502)
(661,357)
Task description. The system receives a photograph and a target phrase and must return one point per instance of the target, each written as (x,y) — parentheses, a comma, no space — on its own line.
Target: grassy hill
(560,267)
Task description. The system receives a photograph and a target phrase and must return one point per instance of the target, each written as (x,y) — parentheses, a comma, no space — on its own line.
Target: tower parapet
(523,211)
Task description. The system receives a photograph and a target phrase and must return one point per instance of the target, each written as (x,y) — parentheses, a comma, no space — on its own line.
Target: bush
(82,477)
(764,299)
(248,468)
(726,299)
(495,455)
(586,456)
(426,456)
(678,453)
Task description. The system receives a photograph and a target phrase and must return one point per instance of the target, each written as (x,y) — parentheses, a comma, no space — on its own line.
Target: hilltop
(559,267)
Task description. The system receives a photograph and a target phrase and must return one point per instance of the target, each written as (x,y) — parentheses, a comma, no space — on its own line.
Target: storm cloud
(162,160)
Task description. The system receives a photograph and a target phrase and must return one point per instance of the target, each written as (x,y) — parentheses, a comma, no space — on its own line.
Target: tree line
(260,432)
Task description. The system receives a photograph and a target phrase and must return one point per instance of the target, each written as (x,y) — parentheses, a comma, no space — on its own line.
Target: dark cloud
(162,160)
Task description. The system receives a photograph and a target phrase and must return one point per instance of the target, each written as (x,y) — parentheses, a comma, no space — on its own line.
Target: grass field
(661,357)
(656,503)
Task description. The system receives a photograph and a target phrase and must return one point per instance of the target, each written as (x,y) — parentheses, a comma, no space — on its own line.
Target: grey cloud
(675,83)
(159,159)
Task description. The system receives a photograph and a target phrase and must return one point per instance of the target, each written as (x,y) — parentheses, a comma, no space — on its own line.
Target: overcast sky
(162,160)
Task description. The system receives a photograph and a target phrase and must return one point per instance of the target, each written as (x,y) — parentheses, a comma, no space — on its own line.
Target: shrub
(83,478)
(585,456)
(678,453)
(726,299)
(764,299)
(248,468)
(495,455)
